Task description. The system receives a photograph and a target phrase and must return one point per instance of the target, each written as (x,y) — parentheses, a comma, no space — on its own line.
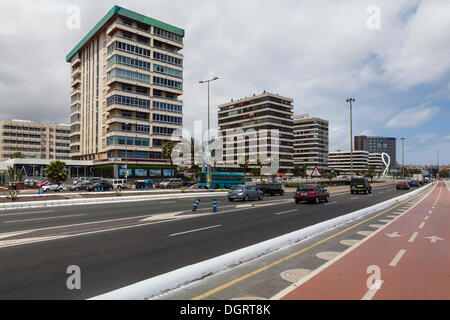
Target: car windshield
(306,188)
(236,188)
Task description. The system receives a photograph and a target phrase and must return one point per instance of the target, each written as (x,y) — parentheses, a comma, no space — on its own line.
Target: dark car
(271,188)
(311,193)
(244,193)
(402,185)
(358,185)
(103,185)
(81,186)
(414,183)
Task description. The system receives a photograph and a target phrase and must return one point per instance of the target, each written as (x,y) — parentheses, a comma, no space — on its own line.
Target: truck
(271,188)
(418,177)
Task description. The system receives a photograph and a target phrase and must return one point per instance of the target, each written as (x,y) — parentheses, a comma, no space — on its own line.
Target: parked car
(311,193)
(358,185)
(119,183)
(271,188)
(81,186)
(414,183)
(80,179)
(101,185)
(56,187)
(402,185)
(171,183)
(158,183)
(41,183)
(94,179)
(244,193)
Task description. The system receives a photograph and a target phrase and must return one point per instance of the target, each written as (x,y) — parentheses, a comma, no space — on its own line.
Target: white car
(56,187)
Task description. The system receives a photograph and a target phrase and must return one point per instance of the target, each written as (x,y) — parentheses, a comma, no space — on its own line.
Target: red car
(402,185)
(311,193)
(40,184)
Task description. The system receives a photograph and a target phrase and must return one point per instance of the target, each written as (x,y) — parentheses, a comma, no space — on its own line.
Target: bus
(221,180)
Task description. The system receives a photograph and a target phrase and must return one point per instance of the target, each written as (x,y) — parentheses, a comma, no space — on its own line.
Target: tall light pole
(403,157)
(208,82)
(350,100)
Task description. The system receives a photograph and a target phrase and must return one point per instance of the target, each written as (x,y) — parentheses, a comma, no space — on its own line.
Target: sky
(393,57)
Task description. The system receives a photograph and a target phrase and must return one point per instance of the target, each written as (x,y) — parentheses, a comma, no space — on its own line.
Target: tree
(167,150)
(370,173)
(443,174)
(330,176)
(55,171)
(14,175)
(244,166)
(297,170)
(16,155)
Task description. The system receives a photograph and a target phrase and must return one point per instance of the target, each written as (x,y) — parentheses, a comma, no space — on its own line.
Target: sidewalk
(407,259)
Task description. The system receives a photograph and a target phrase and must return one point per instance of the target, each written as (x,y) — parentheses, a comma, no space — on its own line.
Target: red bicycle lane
(410,257)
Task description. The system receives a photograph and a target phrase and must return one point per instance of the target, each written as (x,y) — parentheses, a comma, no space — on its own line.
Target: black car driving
(358,185)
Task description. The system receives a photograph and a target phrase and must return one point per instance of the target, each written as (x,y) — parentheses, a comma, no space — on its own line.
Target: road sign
(316,173)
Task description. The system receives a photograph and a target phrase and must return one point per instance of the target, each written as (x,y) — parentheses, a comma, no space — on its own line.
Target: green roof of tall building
(116,10)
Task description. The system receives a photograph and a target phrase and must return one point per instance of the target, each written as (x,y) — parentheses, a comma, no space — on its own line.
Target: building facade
(34,140)
(248,120)
(127,79)
(340,161)
(378,145)
(311,142)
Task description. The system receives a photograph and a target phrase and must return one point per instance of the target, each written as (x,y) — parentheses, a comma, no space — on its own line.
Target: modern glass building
(127,79)
(378,145)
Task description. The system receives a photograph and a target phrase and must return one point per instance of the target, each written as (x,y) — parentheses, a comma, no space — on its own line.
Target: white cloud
(412,117)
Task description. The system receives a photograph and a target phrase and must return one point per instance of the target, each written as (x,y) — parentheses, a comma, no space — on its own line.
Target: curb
(158,285)
(87,201)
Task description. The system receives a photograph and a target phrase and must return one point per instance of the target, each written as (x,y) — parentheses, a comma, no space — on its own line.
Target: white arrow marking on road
(393,235)
(433,239)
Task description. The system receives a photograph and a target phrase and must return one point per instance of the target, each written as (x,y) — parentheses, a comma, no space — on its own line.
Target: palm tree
(167,150)
(16,155)
(55,171)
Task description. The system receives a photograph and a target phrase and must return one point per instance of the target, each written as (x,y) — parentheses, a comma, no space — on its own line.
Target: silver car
(244,193)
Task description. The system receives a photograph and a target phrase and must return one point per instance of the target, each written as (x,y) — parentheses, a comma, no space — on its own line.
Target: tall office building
(127,77)
(310,142)
(378,145)
(266,111)
(34,140)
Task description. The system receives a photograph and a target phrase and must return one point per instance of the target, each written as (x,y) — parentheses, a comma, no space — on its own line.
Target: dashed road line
(397,258)
(195,230)
(421,225)
(278,213)
(48,218)
(413,237)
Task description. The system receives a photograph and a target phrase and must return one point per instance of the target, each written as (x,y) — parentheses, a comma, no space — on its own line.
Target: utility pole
(403,157)
(350,100)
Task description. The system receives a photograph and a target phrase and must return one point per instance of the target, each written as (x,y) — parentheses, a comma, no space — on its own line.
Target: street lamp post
(208,82)
(403,157)
(350,100)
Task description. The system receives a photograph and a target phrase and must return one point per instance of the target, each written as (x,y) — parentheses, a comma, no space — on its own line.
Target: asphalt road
(133,249)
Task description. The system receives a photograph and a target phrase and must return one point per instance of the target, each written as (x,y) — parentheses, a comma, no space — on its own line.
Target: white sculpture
(387,163)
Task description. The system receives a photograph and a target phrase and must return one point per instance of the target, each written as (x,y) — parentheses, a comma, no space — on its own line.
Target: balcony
(122,119)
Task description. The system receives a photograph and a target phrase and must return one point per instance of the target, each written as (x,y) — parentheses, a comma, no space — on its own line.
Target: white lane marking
(328,255)
(195,230)
(397,258)
(286,212)
(12,234)
(21,213)
(327,204)
(376,226)
(167,202)
(354,198)
(430,212)
(371,292)
(427,217)
(413,237)
(38,219)
(421,225)
(349,242)
(364,233)
(384,220)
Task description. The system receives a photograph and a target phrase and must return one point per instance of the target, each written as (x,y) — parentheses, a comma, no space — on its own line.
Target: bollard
(39,190)
(98,188)
(142,187)
(197,202)
(214,205)
(102,188)
(293,195)
(146,186)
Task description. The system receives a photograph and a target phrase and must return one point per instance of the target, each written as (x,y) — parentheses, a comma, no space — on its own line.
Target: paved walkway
(407,259)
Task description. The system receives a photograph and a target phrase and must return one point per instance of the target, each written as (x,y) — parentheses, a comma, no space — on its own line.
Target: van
(119,183)
(171,183)
(360,185)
